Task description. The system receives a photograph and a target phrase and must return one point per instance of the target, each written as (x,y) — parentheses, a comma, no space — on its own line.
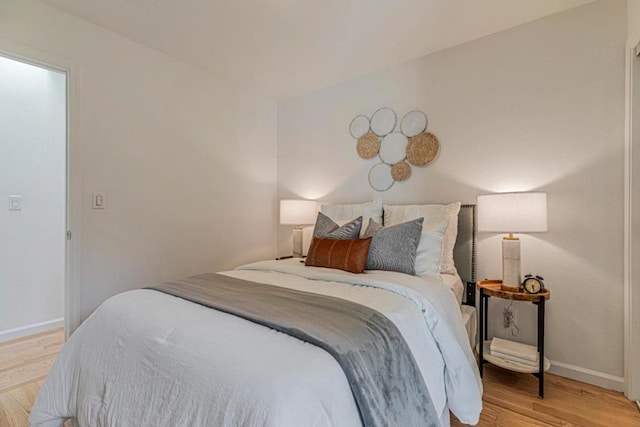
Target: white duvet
(145,358)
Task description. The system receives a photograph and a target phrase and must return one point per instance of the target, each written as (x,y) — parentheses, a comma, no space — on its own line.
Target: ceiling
(283,48)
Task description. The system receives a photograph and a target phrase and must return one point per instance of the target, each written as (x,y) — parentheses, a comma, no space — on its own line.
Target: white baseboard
(589,376)
(23,331)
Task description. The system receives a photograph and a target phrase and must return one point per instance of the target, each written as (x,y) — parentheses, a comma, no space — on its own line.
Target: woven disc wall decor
(368,145)
(422,148)
(401,171)
(397,149)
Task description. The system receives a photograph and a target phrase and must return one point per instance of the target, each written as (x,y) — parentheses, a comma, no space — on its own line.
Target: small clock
(533,284)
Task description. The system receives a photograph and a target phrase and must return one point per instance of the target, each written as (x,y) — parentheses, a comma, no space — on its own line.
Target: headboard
(464,251)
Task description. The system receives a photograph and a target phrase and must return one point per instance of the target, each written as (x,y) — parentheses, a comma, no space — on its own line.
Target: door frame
(42,59)
(631,347)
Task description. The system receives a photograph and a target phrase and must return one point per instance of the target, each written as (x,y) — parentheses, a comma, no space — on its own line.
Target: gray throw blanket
(384,378)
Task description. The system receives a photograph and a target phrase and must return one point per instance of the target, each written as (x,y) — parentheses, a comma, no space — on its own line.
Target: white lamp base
(297,242)
(511,276)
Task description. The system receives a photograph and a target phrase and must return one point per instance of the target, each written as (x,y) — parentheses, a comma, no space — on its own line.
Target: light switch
(99,200)
(15,203)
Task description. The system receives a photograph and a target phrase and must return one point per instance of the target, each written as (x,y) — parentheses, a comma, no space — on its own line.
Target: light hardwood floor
(24,364)
(510,399)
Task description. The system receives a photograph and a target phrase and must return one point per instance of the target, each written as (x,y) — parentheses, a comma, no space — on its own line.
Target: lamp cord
(509,321)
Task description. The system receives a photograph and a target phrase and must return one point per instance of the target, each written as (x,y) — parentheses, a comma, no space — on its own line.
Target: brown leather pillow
(348,255)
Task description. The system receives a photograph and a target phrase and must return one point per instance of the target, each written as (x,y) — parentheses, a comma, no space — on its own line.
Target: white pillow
(432,214)
(340,213)
(429,253)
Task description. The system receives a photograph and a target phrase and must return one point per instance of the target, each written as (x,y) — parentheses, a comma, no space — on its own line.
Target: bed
(148,358)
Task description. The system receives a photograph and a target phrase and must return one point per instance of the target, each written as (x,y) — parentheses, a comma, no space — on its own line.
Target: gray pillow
(394,248)
(326,228)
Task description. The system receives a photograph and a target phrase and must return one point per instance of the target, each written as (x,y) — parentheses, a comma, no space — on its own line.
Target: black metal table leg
(481,333)
(486,314)
(541,347)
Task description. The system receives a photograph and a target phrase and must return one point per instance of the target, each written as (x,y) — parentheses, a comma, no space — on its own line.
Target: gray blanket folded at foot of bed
(384,378)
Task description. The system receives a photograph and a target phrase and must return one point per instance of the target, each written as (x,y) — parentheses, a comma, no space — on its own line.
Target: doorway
(33,197)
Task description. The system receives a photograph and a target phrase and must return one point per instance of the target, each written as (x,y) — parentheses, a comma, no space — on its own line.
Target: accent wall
(537,107)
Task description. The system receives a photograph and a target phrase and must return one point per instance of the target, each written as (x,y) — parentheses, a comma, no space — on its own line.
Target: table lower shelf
(511,365)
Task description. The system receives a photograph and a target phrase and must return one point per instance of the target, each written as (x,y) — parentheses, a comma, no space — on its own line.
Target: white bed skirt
(470,323)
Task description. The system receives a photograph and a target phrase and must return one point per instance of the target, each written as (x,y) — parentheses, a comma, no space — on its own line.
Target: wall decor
(413,123)
(383,121)
(422,149)
(393,148)
(397,150)
(368,145)
(380,178)
(401,171)
(359,126)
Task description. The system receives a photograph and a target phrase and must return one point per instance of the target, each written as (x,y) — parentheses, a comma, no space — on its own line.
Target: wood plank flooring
(510,399)
(24,364)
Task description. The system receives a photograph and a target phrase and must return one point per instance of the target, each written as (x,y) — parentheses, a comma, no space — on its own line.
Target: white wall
(538,107)
(187,160)
(32,165)
(633,17)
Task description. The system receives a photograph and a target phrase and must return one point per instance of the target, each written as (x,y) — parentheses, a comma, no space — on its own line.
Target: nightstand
(493,288)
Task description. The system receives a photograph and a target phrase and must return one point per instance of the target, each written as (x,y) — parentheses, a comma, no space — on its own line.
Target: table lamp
(512,213)
(298,213)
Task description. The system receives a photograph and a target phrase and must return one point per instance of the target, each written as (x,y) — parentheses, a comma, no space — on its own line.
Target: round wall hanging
(393,148)
(383,121)
(400,171)
(422,149)
(380,178)
(359,126)
(397,149)
(413,123)
(368,145)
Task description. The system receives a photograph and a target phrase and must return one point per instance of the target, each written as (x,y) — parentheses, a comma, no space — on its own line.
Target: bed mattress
(470,323)
(454,283)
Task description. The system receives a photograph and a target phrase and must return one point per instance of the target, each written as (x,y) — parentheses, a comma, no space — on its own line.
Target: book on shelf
(514,349)
(514,358)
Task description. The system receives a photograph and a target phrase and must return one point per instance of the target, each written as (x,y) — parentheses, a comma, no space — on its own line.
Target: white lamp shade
(512,212)
(298,212)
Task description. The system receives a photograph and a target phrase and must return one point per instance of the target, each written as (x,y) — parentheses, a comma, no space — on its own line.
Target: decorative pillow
(429,254)
(394,248)
(325,228)
(367,211)
(432,214)
(347,255)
